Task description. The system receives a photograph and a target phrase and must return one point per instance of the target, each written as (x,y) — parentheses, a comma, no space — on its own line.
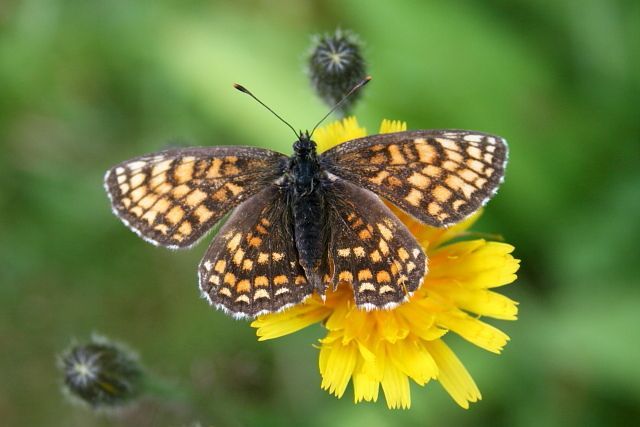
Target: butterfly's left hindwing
(251,266)
(438,176)
(172,198)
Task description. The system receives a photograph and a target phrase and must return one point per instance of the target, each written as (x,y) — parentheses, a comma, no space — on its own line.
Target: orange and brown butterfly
(304,222)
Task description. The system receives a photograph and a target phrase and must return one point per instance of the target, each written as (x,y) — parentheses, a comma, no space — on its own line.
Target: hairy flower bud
(335,67)
(101,373)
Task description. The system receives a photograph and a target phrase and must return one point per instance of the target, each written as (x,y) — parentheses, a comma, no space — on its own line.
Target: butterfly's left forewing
(172,198)
(438,176)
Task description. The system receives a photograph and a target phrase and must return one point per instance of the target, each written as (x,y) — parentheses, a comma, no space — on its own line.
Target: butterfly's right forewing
(438,176)
(172,198)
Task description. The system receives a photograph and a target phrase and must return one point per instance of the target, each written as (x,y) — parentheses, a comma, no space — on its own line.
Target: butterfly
(300,224)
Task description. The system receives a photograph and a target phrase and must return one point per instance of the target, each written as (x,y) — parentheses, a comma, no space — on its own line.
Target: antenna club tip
(362,83)
(240,88)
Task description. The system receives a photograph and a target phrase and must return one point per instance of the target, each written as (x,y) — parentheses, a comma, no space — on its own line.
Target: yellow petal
(365,384)
(357,324)
(366,354)
(473,330)
(336,366)
(390,126)
(365,388)
(395,385)
(338,318)
(485,303)
(373,359)
(389,326)
(452,374)
(411,358)
(338,132)
(275,325)
(323,357)
(420,320)
(476,264)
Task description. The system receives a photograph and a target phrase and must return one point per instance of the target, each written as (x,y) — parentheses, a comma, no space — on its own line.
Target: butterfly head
(304,146)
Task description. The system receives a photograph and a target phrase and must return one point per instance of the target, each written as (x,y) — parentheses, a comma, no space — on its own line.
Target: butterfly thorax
(308,207)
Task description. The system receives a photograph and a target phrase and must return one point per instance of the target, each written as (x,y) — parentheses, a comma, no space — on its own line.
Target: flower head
(335,67)
(101,373)
(388,347)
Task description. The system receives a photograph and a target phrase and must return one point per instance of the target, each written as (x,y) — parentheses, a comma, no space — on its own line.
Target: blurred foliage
(86,84)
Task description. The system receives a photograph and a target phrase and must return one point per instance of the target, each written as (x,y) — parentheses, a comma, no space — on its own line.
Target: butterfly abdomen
(309,220)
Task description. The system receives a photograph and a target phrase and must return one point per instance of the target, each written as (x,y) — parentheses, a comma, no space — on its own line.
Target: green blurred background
(85,84)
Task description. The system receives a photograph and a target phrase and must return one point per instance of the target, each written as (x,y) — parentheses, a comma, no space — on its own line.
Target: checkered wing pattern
(172,198)
(251,266)
(370,248)
(438,176)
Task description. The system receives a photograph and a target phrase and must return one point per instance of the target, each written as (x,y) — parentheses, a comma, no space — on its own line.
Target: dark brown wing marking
(438,176)
(172,198)
(370,248)
(251,266)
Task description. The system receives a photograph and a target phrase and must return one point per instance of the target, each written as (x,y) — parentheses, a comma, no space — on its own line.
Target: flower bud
(335,67)
(101,374)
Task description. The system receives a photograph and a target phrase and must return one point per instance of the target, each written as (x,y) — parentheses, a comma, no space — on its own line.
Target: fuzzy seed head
(100,373)
(336,65)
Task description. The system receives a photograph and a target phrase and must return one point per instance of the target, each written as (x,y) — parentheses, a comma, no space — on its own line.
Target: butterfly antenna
(344,98)
(245,90)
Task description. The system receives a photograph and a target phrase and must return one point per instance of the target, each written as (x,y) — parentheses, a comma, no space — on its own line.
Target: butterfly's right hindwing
(172,198)
(370,248)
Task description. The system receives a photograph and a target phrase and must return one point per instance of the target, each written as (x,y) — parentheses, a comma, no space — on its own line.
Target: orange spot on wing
(280,280)
(396,156)
(364,274)
(414,197)
(383,277)
(243,286)
(175,215)
(203,214)
(261,281)
(214,169)
(426,153)
(230,278)
(184,171)
(185,228)
(345,276)
(364,234)
(196,197)
(441,193)
(418,180)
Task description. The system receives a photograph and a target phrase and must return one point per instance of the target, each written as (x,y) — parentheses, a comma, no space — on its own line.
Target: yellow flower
(388,347)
